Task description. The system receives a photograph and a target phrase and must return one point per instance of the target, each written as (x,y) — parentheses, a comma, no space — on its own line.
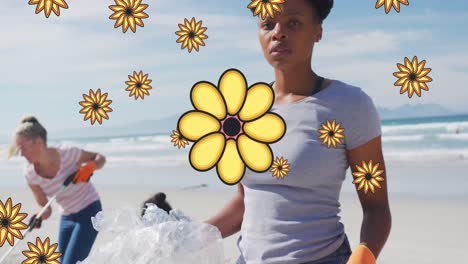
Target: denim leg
(83,236)
(340,256)
(65,231)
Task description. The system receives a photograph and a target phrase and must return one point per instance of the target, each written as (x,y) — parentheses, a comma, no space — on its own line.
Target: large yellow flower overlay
(412,77)
(41,253)
(264,7)
(331,133)
(178,140)
(10,222)
(389,3)
(48,6)
(191,34)
(138,85)
(368,176)
(231,126)
(128,13)
(280,168)
(95,106)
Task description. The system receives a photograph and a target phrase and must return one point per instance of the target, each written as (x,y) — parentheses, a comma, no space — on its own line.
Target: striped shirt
(76,196)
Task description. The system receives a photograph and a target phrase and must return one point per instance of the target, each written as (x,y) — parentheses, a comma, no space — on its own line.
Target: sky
(46,64)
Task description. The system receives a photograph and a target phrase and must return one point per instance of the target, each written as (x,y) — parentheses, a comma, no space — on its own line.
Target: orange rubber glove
(85,172)
(362,255)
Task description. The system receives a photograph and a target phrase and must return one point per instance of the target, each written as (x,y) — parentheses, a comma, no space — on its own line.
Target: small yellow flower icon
(368,176)
(231,127)
(390,3)
(10,222)
(265,7)
(191,34)
(280,168)
(331,133)
(178,140)
(128,13)
(95,106)
(48,6)
(138,85)
(412,77)
(41,253)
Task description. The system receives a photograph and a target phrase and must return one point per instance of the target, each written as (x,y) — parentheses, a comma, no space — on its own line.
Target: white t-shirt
(295,219)
(76,196)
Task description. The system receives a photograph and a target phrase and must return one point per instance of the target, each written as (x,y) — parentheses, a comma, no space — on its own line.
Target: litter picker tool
(38,216)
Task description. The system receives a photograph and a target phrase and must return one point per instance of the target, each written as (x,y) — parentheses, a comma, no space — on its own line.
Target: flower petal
(233,87)
(257,156)
(205,97)
(194,124)
(258,101)
(230,168)
(268,128)
(206,152)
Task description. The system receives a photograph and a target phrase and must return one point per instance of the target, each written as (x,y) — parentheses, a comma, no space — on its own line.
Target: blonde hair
(29,128)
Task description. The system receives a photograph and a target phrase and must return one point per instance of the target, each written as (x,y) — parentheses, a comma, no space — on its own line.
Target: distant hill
(166,125)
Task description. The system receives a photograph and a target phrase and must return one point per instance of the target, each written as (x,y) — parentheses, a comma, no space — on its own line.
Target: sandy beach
(425,229)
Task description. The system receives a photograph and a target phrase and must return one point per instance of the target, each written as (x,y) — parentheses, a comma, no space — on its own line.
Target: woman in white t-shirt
(47,170)
(294,218)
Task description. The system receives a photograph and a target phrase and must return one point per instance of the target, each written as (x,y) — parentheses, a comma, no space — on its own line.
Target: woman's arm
(377,219)
(229,220)
(41,199)
(87,156)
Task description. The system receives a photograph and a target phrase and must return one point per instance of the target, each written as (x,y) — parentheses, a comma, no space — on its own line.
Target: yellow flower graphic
(412,77)
(368,176)
(10,222)
(280,168)
(48,6)
(128,13)
(178,140)
(390,3)
(138,85)
(265,7)
(191,34)
(95,106)
(331,133)
(231,127)
(41,253)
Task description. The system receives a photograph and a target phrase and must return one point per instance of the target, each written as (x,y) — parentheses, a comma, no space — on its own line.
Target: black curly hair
(323,8)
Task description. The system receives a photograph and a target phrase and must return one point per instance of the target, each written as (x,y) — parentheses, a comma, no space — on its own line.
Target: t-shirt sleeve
(30,175)
(362,122)
(71,156)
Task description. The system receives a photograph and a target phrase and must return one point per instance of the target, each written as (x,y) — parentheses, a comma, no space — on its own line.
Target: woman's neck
(45,159)
(293,81)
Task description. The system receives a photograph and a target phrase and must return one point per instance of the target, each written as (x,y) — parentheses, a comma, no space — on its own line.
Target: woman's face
(288,38)
(29,148)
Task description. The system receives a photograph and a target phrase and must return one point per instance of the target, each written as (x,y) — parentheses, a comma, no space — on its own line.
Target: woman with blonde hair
(46,171)
(294,219)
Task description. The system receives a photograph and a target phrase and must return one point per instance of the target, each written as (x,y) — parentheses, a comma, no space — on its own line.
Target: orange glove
(362,255)
(85,172)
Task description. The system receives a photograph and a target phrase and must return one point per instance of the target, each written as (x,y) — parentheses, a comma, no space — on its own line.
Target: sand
(424,230)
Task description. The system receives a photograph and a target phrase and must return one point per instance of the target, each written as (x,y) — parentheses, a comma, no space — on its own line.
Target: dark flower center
(191,34)
(412,77)
(331,133)
(95,106)
(280,167)
(265,1)
(138,85)
(42,259)
(231,126)
(128,11)
(5,222)
(368,176)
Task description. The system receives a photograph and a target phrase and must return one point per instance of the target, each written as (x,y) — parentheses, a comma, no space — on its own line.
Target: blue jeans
(77,234)
(340,256)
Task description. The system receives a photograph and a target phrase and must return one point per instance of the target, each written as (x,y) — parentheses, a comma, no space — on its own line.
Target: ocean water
(422,155)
